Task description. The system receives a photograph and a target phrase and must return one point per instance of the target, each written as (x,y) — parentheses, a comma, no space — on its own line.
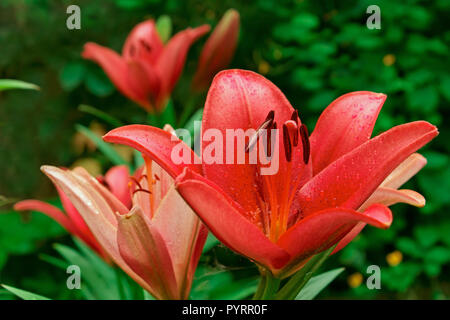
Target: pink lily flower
(148,70)
(157,242)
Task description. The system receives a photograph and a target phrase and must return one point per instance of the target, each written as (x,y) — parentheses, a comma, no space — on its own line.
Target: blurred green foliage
(313,50)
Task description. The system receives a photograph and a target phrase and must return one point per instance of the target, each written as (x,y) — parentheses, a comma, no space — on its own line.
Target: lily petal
(73,214)
(114,66)
(156,144)
(50,211)
(226,221)
(143,43)
(405,171)
(114,204)
(180,229)
(387,197)
(144,250)
(344,125)
(349,237)
(323,229)
(145,80)
(351,179)
(117,179)
(173,57)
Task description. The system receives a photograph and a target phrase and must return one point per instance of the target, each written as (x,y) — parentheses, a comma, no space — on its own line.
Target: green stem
(260,289)
(193,103)
(292,288)
(267,288)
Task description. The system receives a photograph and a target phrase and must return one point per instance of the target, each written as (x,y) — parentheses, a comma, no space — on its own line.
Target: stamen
(132,50)
(136,181)
(141,190)
(145,45)
(270,115)
(269,140)
(305,142)
(262,128)
(287,143)
(294,118)
(156,177)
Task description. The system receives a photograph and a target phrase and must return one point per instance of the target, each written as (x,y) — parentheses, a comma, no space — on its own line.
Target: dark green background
(313,50)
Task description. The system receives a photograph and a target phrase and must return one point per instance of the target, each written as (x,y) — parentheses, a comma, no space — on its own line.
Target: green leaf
(59,263)
(147,296)
(236,290)
(317,284)
(211,242)
(98,278)
(98,83)
(25,295)
(164,27)
(138,159)
(72,75)
(195,118)
(107,149)
(168,115)
(9,84)
(100,114)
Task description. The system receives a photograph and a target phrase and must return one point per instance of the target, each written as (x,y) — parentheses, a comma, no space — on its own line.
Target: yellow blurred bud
(277,54)
(394,258)
(389,60)
(263,67)
(354,280)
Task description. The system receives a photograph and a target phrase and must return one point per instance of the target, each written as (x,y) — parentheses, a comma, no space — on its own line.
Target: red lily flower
(312,202)
(218,50)
(157,242)
(116,179)
(148,70)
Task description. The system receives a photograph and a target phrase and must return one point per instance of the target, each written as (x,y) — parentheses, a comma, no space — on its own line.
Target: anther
(294,118)
(141,190)
(305,142)
(136,181)
(156,177)
(269,140)
(263,127)
(145,45)
(293,131)
(287,143)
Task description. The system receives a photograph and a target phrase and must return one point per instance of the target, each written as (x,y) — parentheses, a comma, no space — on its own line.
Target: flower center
(278,191)
(145,183)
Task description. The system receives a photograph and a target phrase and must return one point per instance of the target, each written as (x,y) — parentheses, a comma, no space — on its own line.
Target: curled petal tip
(47,169)
(380,215)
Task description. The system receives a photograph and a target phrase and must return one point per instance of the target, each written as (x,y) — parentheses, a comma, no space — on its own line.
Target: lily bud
(218,50)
